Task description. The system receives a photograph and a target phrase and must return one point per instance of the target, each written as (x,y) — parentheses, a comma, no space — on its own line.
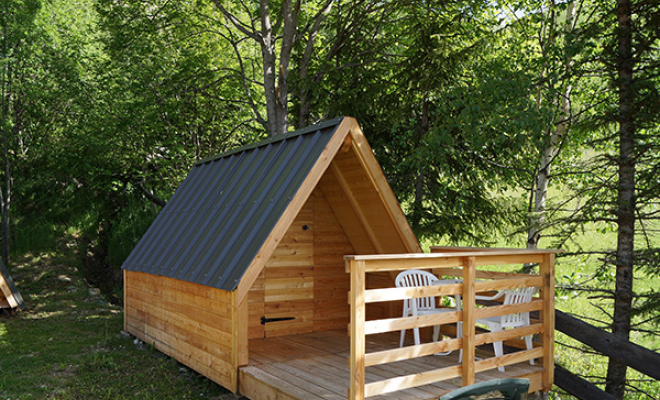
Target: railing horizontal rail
(507,359)
(392,294)
(439,260)
(425,349)
(461,264)
(409,381)
(496,311)
(480,274)
(401,323)
(409,352)
(508,283)
(490,337)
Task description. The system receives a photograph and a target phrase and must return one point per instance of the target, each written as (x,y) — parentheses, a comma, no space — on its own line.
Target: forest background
(517,123)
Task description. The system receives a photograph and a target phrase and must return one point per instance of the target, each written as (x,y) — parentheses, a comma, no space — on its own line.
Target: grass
(68,344)
(582,272)
(587,271)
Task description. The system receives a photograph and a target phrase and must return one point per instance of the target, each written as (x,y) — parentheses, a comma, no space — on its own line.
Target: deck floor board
(315,365)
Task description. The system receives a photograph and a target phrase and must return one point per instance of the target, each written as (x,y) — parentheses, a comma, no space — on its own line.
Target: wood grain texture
(6,293)
(314,365)
(189,322)
(305,277)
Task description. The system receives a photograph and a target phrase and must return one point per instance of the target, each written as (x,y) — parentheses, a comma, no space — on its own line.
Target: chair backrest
(517,296)
(415,277)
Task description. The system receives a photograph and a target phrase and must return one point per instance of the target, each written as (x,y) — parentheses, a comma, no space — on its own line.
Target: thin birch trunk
(538,216)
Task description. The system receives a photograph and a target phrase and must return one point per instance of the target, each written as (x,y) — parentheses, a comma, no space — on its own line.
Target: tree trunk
(551,151)
(6,205)
(5,123)
(276,75)
(304,91)
(420,191)
(269,64)
(623,294)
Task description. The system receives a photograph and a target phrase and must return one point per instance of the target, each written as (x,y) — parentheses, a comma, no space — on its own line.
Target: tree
(453,122)
(168,97)
(635,42)
(299,46)
(556,64)
(17,21)
(618,49)
(40,65)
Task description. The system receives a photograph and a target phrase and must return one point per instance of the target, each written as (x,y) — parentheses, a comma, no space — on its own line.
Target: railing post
(547,271)
(469,303)
(358,348)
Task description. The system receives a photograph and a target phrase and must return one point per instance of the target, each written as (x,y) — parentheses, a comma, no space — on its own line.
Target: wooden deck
(315,366)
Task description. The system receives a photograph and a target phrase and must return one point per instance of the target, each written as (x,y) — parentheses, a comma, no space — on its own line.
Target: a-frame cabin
(245,276)
(260,234)
(10,297)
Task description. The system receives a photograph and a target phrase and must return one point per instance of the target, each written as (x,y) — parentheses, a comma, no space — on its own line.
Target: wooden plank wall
(363,188)
(305,277)
(187,321)
(331,308)
(7,299)
(4,303)
(366,220)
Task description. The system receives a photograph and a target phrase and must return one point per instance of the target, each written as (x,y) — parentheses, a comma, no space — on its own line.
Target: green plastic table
(509,389)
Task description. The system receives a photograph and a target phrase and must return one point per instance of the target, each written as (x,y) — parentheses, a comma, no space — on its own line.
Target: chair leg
(403,336)
(497,346)
(528,342)
(436,337)
(459,335)
(416,334)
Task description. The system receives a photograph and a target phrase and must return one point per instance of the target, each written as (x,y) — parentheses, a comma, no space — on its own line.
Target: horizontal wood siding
(187,321)
(305,277)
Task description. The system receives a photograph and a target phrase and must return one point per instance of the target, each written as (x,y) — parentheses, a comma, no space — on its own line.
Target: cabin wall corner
(192,323)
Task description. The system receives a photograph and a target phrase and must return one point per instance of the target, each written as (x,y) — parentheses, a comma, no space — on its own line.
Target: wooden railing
(642,359)
(452,262)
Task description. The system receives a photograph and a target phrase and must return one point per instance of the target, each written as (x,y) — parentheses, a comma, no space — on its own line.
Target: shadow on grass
(68,344)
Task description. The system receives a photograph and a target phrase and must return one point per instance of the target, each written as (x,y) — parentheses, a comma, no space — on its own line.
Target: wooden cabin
(10,297)
(243,277)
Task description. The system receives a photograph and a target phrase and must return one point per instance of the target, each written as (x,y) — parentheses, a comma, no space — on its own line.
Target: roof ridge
(272,139)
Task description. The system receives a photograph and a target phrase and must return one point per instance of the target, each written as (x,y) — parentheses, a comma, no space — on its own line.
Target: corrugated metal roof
(218,219)
(12,287)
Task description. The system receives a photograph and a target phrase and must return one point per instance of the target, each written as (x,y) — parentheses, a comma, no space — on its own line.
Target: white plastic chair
(424,305)
(496,324)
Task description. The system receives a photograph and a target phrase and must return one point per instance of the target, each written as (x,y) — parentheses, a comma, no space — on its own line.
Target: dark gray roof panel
(218,219)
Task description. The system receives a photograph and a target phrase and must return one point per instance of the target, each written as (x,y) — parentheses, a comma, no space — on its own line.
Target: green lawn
(583,272)
(68,344)
(594,308)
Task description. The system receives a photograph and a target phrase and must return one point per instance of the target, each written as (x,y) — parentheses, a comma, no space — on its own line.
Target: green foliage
(128,227)
(106,105)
